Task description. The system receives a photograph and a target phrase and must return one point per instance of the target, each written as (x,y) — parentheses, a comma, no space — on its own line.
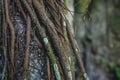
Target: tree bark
(35,45)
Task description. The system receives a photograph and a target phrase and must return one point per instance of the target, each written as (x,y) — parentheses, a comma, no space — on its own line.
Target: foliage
(117,71)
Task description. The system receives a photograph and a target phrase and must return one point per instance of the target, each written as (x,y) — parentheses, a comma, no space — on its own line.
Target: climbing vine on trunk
(33,28)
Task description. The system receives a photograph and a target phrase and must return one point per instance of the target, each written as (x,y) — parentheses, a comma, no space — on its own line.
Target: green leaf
(117,71)
(103,60)
(111,64)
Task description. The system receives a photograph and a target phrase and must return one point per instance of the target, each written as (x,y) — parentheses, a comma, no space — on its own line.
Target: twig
(4,40)
(48,68)
(26,59)
(12,36)
(76,50)
(21,9)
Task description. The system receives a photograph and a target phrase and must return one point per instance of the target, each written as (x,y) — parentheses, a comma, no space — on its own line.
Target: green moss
(54,63)
(52,56)
(81,5)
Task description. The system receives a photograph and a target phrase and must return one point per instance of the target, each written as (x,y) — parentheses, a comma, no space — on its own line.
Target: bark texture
(36,40)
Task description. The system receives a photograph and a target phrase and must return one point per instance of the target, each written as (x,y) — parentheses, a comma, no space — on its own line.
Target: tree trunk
(35,43)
